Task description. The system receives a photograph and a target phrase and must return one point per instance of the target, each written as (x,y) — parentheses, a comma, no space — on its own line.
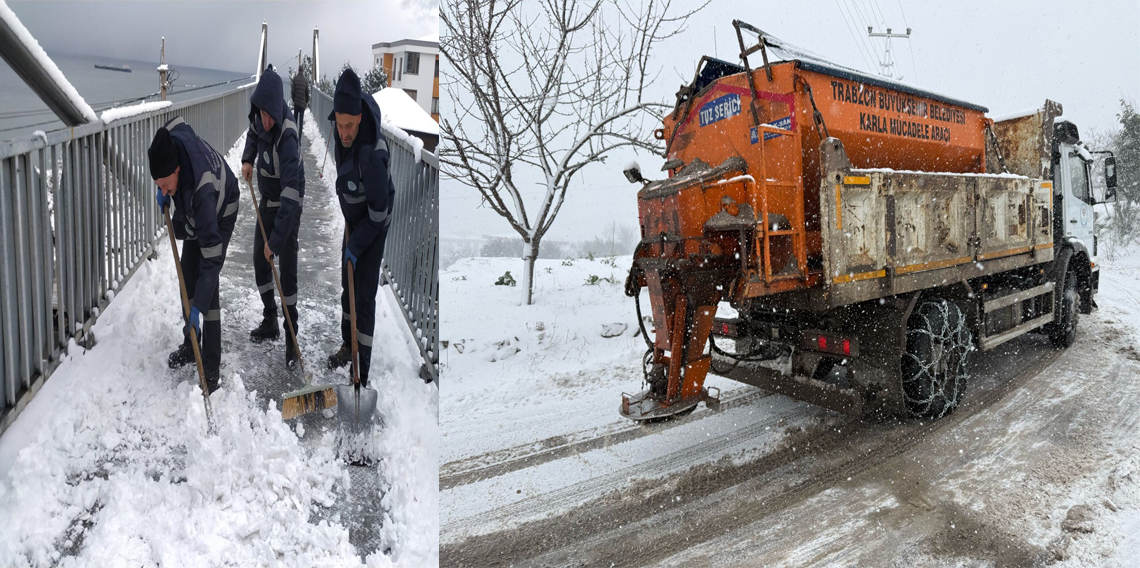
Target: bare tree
(541,90)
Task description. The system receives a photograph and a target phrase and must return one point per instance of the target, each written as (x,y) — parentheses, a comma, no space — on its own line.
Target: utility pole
(162,69)
(316,61)
(888,63)
(263,53)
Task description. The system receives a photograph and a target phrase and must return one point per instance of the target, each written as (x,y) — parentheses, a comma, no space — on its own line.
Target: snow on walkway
(110,464)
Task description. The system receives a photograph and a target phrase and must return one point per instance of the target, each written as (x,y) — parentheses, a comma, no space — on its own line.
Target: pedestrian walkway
(262,365)
(114,450)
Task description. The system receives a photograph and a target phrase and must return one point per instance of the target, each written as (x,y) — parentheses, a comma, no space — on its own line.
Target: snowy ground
(110,464)
(1040,465)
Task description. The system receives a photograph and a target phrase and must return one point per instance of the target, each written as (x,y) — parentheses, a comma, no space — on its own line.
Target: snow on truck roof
(809,61)
(1017,114)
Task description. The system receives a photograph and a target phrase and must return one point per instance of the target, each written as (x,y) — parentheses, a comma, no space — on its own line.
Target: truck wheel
(1063,332)
(938,342)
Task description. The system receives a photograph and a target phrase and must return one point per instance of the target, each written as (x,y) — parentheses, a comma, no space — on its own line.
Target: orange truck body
(881,128)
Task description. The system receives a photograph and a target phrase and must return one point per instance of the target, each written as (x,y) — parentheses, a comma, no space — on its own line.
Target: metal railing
(411,253)
(77,218)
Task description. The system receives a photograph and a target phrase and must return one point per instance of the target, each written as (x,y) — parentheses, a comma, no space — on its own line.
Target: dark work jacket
(363,185)
(207,193)
(300,91)
(276,155)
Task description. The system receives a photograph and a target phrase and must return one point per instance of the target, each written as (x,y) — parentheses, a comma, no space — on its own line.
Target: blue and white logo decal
(720,108)
(351,186)
(785,123)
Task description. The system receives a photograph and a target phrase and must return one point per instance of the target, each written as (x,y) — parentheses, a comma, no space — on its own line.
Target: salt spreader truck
(867,234)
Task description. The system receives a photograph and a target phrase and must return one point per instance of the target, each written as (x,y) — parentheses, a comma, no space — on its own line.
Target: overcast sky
(1007,56)
(226,35)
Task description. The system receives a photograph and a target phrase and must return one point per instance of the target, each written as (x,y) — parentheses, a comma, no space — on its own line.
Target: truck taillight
(815,341)
(725,327)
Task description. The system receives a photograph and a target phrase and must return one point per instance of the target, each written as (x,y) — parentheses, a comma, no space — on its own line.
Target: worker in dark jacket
(272,142)
(195,179)
(300,98)
(366,195)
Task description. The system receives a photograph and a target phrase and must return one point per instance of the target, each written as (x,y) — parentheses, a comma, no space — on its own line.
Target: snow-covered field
(520,365)
(111,464)
(525,380)
(539,469)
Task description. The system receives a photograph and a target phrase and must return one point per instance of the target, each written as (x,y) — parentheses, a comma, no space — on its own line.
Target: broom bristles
(310,399)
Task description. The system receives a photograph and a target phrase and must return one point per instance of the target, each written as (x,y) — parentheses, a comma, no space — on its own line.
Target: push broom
(309,398)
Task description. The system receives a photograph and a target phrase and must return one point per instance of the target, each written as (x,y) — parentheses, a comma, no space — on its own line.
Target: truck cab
(1074,226)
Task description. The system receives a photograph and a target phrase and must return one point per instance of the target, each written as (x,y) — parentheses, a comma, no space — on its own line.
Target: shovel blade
(355,407)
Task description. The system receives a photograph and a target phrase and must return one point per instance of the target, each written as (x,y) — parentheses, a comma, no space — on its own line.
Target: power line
(878,10)
(866,22)
(854,36)
(859,42)
(909,45)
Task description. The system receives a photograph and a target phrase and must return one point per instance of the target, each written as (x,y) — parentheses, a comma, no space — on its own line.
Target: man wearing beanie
(195,180)
(273,143)
(366,195)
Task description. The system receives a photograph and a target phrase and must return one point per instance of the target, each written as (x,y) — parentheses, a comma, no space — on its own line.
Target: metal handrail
(77,219)
(411,254)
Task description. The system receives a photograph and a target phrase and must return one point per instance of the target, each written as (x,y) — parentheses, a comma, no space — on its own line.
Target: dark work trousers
(299,114)
(212,320)
(263,273)
(367,273)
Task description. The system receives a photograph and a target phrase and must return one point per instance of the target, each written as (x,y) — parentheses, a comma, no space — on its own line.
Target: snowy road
(1042,435)
(110,464)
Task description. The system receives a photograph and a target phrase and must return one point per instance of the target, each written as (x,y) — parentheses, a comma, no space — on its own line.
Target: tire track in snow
(606,525)
(566,497)
(469,470)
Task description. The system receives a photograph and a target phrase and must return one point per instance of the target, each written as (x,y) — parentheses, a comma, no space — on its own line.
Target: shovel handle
(280,290)
(186,316)
(352,315)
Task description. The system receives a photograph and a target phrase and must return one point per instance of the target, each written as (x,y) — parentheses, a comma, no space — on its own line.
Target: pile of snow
(25,37)
(404,112)
(111,462)
(112,114)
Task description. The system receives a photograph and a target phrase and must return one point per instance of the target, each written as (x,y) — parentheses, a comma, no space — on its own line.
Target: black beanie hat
(163,155)
(346,98)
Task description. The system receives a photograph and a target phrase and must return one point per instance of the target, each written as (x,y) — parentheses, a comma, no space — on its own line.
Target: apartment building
(413,66)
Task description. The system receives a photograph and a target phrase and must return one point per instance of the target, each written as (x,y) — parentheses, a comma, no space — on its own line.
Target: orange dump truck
(867,234)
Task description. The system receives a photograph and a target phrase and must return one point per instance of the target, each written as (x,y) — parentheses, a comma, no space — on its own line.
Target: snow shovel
(355,404)
(186,315)
(309,398)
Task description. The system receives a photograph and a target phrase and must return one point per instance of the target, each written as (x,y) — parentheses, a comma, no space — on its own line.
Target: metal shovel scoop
(355,404)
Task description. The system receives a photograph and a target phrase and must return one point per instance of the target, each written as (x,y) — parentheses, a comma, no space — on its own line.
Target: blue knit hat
(347,97)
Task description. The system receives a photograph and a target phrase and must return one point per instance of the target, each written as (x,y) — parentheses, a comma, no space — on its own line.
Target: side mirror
(1110,179)
(633,173)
